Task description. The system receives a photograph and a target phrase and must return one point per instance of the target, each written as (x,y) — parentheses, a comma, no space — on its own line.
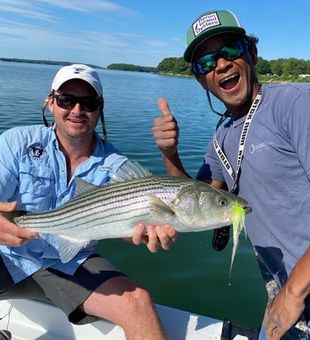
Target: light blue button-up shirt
(33,172)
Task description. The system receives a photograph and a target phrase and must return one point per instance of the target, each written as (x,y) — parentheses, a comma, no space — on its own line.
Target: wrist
(297,292)
(174,165)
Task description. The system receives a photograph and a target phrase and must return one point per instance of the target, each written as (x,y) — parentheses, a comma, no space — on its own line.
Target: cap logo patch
(205,22)
(79,69)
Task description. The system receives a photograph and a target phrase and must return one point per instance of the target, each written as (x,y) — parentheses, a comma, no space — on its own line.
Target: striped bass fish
(134,195)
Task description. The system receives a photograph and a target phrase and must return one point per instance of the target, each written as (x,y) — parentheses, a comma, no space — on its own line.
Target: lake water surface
(191,276)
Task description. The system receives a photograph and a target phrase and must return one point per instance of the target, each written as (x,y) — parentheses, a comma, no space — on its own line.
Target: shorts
(65,291)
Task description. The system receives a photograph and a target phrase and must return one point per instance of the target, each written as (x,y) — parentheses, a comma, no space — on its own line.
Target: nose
(76,108)
(222,64)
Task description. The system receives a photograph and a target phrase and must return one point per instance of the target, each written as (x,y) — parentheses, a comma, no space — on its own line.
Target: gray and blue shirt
(274,176)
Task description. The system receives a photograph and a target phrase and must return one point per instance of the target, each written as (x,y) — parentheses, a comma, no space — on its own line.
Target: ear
(253,55)
(202,80)
(50,104)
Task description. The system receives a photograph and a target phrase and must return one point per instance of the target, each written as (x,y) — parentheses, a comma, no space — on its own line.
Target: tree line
(131,67)
(291,69)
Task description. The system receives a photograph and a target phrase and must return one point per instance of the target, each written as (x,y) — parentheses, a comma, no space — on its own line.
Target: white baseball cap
(77,71)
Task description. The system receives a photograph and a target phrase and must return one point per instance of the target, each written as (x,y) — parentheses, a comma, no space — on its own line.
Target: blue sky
(141,32)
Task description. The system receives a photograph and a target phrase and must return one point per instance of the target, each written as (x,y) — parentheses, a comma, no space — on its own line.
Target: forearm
(285,309)
(174,166)
(298,283)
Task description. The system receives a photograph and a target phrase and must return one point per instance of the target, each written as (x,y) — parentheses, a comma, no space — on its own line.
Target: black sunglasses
(67,102)
(230,51)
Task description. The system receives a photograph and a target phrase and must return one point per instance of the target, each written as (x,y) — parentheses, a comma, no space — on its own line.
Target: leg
(99,290)
(128,305)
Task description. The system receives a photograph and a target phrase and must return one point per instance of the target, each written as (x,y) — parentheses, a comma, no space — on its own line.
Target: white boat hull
(30,320)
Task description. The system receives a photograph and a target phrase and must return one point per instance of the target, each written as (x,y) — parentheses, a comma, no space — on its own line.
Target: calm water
(192,276)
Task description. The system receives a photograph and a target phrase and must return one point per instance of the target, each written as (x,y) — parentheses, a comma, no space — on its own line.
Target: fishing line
(8,315)
(224,115)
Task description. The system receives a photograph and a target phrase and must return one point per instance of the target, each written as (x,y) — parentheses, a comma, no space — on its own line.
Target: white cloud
(44,9)
(24,9)
(98,43)
(95,47)
(89,6)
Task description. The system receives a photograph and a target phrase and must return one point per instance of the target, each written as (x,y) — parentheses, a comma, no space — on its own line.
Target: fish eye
(222,201)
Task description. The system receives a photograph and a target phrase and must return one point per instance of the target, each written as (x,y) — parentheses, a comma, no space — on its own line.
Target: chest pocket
(38,181)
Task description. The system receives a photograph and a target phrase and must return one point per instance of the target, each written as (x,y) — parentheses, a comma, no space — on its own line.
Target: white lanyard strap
(244,133)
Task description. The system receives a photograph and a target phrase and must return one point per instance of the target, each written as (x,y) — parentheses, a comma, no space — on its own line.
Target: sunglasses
(67,102)
(230,51)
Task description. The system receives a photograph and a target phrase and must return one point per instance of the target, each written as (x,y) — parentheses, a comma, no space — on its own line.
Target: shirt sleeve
(8,167)
(211,168)
(298,125)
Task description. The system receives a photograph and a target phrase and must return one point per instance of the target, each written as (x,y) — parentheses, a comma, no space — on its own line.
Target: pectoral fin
(160,209)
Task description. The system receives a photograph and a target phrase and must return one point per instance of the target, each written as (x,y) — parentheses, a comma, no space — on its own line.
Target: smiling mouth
(75,121)
(230,82)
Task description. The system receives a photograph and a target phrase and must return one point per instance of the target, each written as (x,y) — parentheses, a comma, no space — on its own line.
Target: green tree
(131,67)
(263,66)
(174,65)
(276,66)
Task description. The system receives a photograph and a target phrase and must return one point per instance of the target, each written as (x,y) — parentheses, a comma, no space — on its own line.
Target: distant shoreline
(175,67)
(45,62)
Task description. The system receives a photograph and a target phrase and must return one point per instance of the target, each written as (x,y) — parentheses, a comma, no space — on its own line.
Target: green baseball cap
(207,25)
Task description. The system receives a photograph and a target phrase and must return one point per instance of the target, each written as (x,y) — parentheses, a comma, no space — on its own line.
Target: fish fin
(130,170)
(160,208)
(68,247)
(82,186)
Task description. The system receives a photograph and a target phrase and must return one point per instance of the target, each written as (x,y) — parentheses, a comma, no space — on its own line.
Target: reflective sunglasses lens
(230,51)
(233,50)
(206,64)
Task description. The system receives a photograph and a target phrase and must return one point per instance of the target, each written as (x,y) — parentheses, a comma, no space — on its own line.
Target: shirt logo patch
(36,151)
(205,22)
(260,147)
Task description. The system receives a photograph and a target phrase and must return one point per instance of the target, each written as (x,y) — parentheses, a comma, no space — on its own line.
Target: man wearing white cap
(38,166)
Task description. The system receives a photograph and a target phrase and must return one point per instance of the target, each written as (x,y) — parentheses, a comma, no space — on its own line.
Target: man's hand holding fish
(154,236)
(10,233)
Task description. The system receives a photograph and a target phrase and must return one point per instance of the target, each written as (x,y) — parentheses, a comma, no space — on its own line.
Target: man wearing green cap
(259,151)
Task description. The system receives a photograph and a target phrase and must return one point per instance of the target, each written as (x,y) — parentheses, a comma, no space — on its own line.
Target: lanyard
(244,133)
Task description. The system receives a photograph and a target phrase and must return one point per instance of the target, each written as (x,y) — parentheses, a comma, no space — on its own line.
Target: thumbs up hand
(165,130)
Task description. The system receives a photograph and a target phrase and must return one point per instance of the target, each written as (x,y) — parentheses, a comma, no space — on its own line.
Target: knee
(139,300)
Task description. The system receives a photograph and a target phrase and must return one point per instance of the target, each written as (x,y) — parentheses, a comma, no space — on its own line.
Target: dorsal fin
(130,170)
(82,186)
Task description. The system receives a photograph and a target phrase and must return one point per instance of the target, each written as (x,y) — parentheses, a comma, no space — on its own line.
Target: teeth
(228,78)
